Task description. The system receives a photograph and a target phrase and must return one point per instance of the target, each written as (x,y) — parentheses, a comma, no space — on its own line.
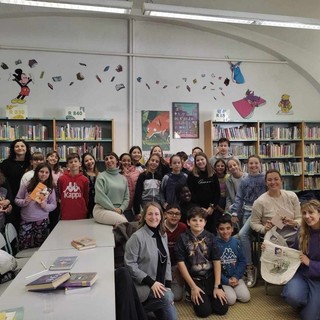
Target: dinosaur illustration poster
(155,129)
(246,106)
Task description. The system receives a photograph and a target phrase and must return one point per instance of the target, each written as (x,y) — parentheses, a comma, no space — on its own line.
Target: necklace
(163,257)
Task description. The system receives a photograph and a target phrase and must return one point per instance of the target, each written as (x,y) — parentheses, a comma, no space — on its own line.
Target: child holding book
(73,188)
(34,214)
(174,228)
(199,262)
(171,180)
(233,263)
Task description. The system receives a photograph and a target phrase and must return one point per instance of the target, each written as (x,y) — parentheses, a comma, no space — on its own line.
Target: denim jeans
(303,294)
(244,236)
(163,308)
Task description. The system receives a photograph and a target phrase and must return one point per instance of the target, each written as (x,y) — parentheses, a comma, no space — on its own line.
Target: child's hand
(8,209)
(233,282)
(196,295)
(221,295)
(234,219)
(290,222)
(28,199)
(263,247)
(43,204)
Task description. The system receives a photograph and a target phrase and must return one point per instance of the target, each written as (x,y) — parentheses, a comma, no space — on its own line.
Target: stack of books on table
(84,243)
(71,282)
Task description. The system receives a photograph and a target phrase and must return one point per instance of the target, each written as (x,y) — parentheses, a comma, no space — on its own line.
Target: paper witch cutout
(246,106)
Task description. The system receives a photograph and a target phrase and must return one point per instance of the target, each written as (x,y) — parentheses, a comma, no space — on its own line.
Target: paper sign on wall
(16,111)
(221,115)
(75,113)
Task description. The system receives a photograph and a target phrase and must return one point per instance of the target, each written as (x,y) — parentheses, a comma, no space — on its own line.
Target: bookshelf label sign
(75,113)
(16,111)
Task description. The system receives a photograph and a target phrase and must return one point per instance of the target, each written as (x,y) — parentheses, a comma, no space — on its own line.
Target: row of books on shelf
(234,133)
(288,167)
(4,151)
(274,150)
(280,133)
(69,132)
(312,133)
(312,167)
(312,150)
(239,151)
(23,131)
(311,183)
(96,150)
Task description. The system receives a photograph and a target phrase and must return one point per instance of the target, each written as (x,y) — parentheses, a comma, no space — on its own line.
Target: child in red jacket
(73,189)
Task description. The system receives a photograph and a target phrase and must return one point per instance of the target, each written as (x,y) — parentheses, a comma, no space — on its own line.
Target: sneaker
(251,277)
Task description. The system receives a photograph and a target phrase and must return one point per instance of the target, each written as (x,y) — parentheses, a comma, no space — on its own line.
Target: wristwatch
(218,286)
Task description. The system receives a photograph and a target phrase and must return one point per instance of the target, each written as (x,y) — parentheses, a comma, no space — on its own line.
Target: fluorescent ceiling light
(123,7)
(189,13)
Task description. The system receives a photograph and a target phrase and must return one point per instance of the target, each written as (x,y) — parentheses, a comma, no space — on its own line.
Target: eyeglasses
(173,214)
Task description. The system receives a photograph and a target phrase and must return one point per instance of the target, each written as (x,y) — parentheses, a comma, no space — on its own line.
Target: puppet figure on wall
(246,106)
(22,80)
(237,75)
(285,105)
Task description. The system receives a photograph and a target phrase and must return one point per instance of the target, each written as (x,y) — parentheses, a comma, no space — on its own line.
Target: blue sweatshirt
(250,189)
(233,262)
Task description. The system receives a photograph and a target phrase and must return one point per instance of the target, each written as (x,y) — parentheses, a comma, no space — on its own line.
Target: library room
(98,98)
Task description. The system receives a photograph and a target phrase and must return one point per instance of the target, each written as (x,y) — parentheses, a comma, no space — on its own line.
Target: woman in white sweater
(276,201)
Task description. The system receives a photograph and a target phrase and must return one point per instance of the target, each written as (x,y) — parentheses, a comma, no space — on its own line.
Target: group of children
(204,206)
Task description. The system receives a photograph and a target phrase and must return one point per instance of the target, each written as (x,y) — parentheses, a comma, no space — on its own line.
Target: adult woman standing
(111,193)
(205,188)
(147,257)
(276,200)
(303,290)
(13,169)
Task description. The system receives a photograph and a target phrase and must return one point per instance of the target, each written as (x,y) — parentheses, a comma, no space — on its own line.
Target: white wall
(59,44)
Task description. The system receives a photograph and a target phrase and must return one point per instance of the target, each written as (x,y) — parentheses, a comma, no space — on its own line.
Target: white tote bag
(7,262)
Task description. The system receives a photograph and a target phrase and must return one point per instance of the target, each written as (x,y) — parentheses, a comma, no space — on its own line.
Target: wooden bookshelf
(293,148)
(64,136)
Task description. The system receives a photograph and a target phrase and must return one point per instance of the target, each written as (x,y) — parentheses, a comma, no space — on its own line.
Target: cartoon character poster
(185,120)
(285,105)
(246,106)
(155,127)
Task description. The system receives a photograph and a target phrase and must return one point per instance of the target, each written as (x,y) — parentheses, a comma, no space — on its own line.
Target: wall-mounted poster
(185,120)
(155,129)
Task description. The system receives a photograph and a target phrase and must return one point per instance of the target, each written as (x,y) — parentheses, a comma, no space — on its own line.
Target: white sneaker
(251,277)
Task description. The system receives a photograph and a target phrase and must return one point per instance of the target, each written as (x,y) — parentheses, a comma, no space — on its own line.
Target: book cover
(73,290)
(40,192)
(63,263)
(81,279)
(48,281)
(83,243)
